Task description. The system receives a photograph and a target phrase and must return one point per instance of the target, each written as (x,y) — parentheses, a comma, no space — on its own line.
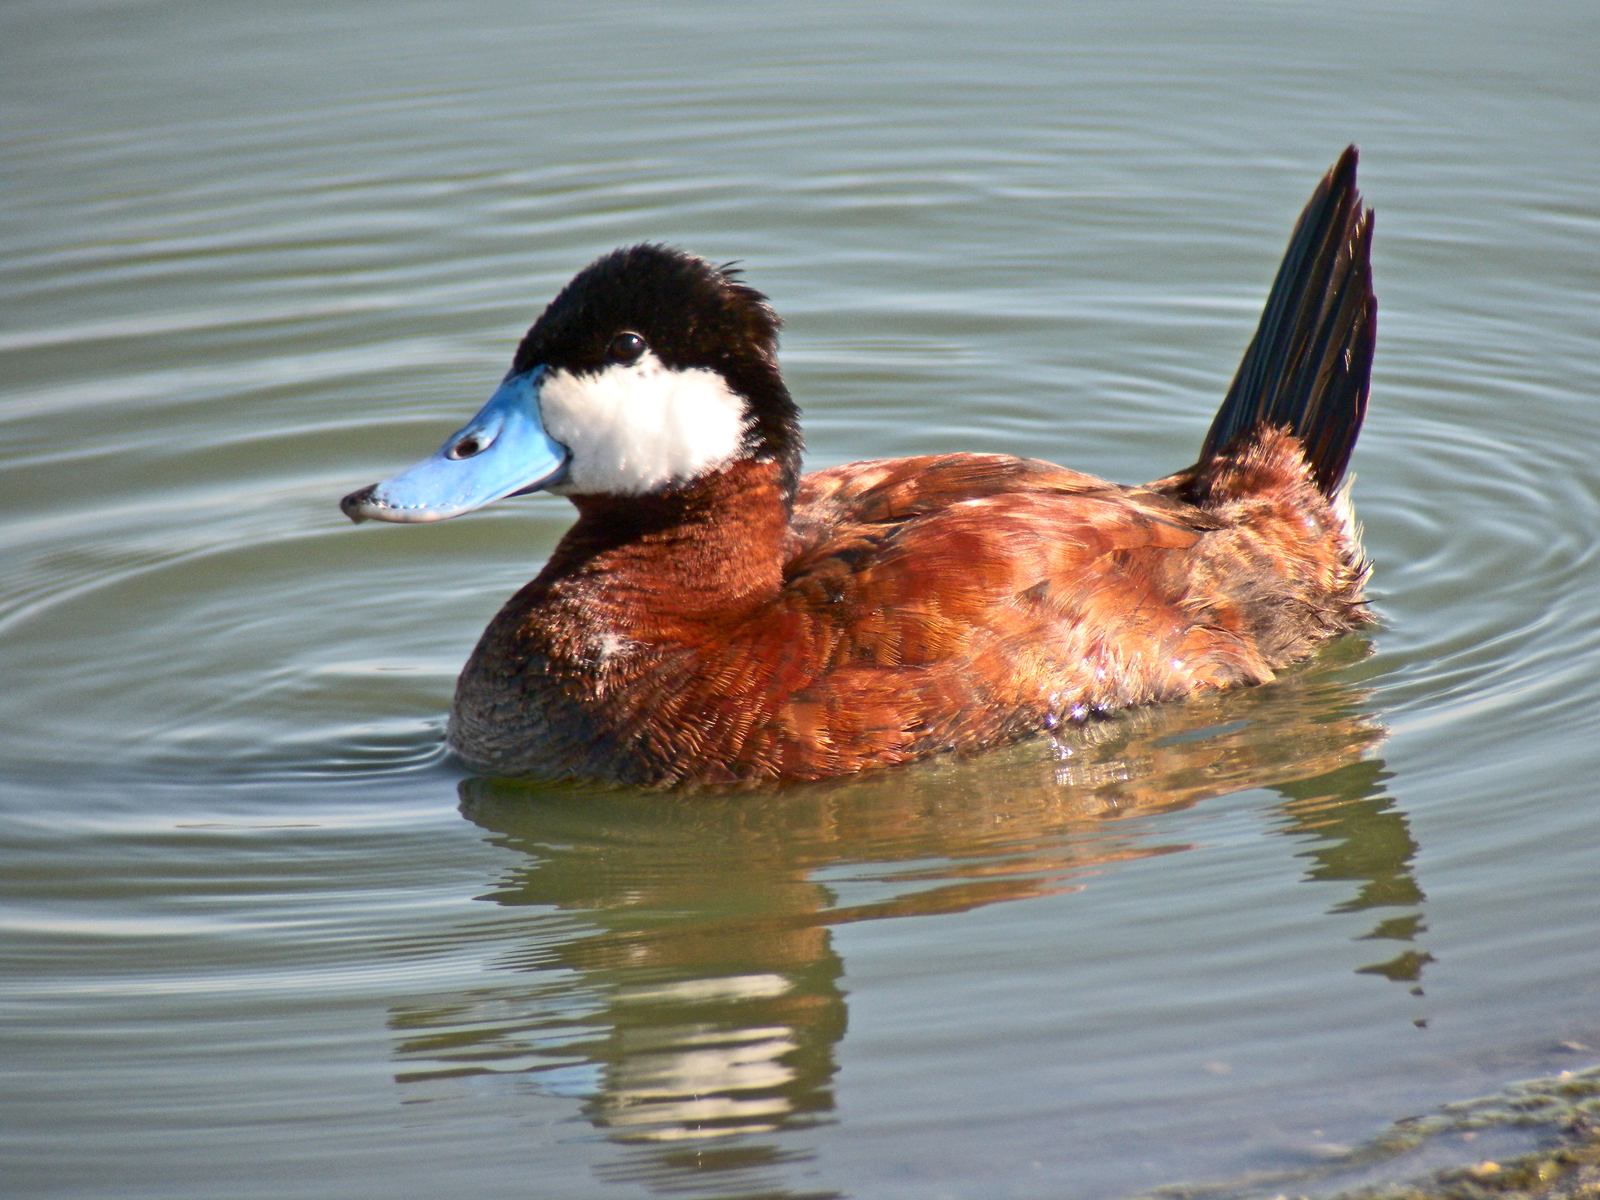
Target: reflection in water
(685,987)
(1364,839)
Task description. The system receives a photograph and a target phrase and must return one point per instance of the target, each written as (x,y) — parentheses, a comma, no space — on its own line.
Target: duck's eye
(466,448)
(626,347)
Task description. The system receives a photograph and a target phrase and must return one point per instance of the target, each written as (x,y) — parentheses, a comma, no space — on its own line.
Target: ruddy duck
(713,616)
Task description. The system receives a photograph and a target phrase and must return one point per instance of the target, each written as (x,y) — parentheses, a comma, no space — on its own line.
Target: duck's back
(965,600)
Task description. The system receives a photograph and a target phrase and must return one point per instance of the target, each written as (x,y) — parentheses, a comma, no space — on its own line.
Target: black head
(651,299)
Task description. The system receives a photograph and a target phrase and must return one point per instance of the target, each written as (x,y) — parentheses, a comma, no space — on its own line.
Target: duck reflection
(684,984)
(1361,837)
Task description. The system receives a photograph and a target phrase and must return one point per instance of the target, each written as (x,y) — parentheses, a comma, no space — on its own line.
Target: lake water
(262,938)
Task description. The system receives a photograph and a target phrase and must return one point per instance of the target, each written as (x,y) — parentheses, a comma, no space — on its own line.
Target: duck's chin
(636,489)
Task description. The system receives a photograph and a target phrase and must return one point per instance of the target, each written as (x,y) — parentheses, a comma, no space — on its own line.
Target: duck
(714,616)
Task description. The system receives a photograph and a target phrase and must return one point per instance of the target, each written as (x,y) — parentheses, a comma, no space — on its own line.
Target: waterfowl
(713,616)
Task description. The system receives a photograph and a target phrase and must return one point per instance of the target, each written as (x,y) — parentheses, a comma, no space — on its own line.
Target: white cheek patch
(635,429)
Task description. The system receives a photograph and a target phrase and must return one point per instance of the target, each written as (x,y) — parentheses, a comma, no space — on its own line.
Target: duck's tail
(1308,368)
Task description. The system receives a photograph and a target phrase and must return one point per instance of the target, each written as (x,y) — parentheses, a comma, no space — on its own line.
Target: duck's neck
(710,549)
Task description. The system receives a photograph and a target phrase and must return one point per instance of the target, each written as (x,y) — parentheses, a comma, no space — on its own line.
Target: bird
(715,617)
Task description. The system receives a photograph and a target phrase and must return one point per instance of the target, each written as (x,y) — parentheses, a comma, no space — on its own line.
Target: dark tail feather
(1308,368)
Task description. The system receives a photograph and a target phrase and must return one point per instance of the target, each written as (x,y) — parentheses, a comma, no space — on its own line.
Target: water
(261,936)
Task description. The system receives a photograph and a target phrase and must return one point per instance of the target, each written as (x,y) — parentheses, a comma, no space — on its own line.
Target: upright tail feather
(1308,368)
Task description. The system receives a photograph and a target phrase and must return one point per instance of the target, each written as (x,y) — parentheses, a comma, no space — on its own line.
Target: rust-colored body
(907,607)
